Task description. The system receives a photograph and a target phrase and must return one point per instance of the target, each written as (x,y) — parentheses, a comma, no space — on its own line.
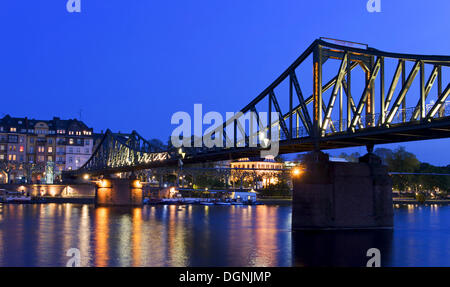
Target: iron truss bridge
(355,96)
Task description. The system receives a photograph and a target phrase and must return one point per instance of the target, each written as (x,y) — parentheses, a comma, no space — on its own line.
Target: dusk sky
(129,65)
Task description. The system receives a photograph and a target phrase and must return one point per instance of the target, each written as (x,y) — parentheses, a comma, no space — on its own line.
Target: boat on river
(7,196)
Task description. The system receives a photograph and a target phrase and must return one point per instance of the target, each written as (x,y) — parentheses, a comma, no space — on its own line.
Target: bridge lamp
(104,183)
(296,172)
(137,184)
(86,176)
(180,151)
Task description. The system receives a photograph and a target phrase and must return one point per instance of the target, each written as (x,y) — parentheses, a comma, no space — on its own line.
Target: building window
(2,156)
(41,149)
(78,150)
(87,142)
(21,148)
(50,141)
(49,158)
(86,150)
(12,157)
(31,140)
(31,149)
(40,158)
(70,150)
(13,130)
(70,141)
(12,139)
(2,147)
(12,148)
(70,159)
(50,149)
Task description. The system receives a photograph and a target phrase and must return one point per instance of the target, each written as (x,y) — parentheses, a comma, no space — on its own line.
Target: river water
(195,235)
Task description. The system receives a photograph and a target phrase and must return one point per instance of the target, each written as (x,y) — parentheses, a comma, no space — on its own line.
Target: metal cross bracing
(357,105)
(121,153)
(353,97)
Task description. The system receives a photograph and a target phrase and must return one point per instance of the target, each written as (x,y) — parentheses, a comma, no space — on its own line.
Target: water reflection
(101,236)
(40,235)
(340,248)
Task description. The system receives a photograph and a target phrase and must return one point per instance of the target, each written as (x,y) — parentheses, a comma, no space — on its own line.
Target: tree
(402,161)
(354,157)
(31,168)
(7,167)
(384,154)
(157,146)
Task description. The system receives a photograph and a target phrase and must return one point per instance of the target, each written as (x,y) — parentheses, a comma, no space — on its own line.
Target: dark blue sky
(132,64)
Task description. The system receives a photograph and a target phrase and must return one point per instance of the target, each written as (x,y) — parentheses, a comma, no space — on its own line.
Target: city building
(259,172)
(52,145)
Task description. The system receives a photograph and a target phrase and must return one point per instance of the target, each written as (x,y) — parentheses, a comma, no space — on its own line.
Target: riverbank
(278,200)
(266,201)
(414,201)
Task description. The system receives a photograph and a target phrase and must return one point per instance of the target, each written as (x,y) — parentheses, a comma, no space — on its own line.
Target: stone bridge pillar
(118,192)
(340,195)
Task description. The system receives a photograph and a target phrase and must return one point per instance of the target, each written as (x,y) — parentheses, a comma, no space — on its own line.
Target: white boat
(223,203)
(14,197)
(237,203)
(18,199)
(206,203)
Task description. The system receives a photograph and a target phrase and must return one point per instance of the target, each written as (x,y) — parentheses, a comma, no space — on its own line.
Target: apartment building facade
(62,144)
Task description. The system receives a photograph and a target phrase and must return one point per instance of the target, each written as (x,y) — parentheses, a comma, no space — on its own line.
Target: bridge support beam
(338,195)
(118,192)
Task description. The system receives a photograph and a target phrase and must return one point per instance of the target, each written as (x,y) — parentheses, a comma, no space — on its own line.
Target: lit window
(49,158)
(21,148)
(70,141)
(50,149)
(13,130)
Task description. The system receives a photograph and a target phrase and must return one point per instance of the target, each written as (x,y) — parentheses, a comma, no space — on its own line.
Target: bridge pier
(118,192)
(337,195)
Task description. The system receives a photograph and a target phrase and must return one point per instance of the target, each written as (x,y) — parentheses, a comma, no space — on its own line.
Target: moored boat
(223,203)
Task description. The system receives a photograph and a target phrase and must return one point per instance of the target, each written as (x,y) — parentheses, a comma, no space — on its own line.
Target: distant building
(66,144)
(259,171)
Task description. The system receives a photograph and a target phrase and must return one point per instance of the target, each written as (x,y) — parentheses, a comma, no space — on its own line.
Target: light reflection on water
(40,235)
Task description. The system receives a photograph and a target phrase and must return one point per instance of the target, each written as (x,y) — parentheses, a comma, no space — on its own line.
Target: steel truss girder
(273,98)
(362,102)
(337,85)
(403,92)
(307,119)
(428,86)
(116,151)
(439,103)
(124,152)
